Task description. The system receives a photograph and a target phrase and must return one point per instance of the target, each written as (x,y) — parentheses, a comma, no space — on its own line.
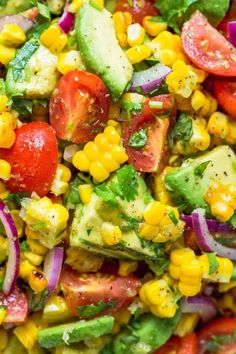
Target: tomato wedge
(107,293)
(138,8)
(78,107)
(220,326)
(180,345)
(225,92)
(207,48)
(148,158)
(33,159)
(17,306)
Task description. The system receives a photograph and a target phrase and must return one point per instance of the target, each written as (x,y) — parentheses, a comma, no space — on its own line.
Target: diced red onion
(23,22)
(205,240)
(69,152)
(232,32)
(13,262)
(52,267)
(67,20)
(213,225)
(149,79)
(200,304)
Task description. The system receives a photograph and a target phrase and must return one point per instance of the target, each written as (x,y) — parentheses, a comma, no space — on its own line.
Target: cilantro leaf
(131,223)
(198,171)
(173,218)
(106,194)
(138,139)
(182,130)
(127,181)
(217,342)
(131,107)
(93,310)
(213,262)
(23,107)
(24,246)
(16,198)
(44,13)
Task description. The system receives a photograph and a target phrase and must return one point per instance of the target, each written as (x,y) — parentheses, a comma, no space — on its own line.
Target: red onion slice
(23,22)
(13,262)
(149,79)
(52,267)
(205,240)
(66,23)
(232,32)
(200,304)
(213,225)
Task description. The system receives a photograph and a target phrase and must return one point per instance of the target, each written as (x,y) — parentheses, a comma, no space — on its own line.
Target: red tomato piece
(139,8)
(207,48)
(78,106)
(31,14)
(33,159)
(225,92)
(90,289)
(220,326)
(17,306)
(180,345)
(148,158)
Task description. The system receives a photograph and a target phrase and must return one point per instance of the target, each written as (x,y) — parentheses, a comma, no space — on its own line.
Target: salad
(117,177)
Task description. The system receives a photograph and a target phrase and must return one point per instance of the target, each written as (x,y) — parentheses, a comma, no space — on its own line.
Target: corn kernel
(111,234)
(201,74)
(37,281)
(123,317)
(4,339)
(167,57)
(7,126)
(179,256)
(4,106)
(75,5)
(112,135)
(98,172)
(27,334)
(108,162)
(5,170)
(116,125)
(148,232)
(122,39)
(218,125)
(118,153)
(127,267)
(135,34)
(197,100)
(85,192)
(36,247)
(68,61)
(154,213)
(114,110)
(26,269)
(153,28)
(121,21)
(187,324)
(3,313)
(54,39)
(102,142)
(12,35)
(91,151)
(189,290)
(163,39)
(138,53)
(80,161)
(6,54)
(35,259)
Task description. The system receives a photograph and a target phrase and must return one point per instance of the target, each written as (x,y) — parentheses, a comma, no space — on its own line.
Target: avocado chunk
(124,211)
(100,49)
(9,7)
(56,6)
(190,182)
(75,332)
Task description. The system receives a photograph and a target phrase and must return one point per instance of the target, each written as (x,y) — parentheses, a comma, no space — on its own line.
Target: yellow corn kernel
(3,313)
(167,308)
(153,28)
(167,57)
(12,35)
(75,5)
(231,136)
(127,267)
(187,324)
(156,291)
(123,317)
(189,290)
(4,339)
(85,192)
(116,125)
(224,287)
(154,213)
(201,74)
(148,232)
(138,53)
(159,189)
(26,268)
(112,135)
(122,39)
(54,39)
(121,21)
(33,258)
(182,57)
(98,172)
(108,162)
(27,334)
(197,100)
(178,256)
(7,126)
(114,110)
(59,44)
(56,310)
(118,153)
(135,34)
(5,170)
(200,139)
(218,125)
(6,54)
(213,103)
(99,3)
(165,40)
(30,234)
(222,211)
(91,151)
(227,303)
(19,223)
(36,247)
(191,269)
(102,142)
(68,61)
(80,161)
(111,234)
(4,106)
(64,171)
(37,281)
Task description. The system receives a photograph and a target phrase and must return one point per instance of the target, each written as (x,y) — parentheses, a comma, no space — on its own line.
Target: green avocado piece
(56,6)
(100,49)
(190,182)
(75,332)
(8,7)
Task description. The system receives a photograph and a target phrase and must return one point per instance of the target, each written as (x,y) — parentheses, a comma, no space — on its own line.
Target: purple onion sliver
(200,304)
(66,23)
(213,225)
(13,262)
(52,267)
(232,32)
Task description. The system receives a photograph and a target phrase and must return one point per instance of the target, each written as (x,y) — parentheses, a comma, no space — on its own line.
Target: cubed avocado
(189,183)
(9,7)
(56,6)
(74,332)
(100,49)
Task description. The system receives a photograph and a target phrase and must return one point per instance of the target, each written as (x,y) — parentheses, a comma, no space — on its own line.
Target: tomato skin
(148,158)
(85,289)
(207,48)
(139,9)
(17,306)
(33,159)
(224,326)
(225,93)
(180,345)
(78,106)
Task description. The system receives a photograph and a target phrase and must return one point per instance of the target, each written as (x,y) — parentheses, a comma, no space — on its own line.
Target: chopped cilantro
(131,223)
(44,13)
(24,246)
(93,310)
(182,130)
(39,226)
(131,107)
(198,171)
(138,139)
(127,182)
(16,198)
(213,262)
(173,218)
(106,194)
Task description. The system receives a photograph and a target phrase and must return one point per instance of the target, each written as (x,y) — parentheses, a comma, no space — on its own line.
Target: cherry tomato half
(17,306)
(180,345)
(225,93)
